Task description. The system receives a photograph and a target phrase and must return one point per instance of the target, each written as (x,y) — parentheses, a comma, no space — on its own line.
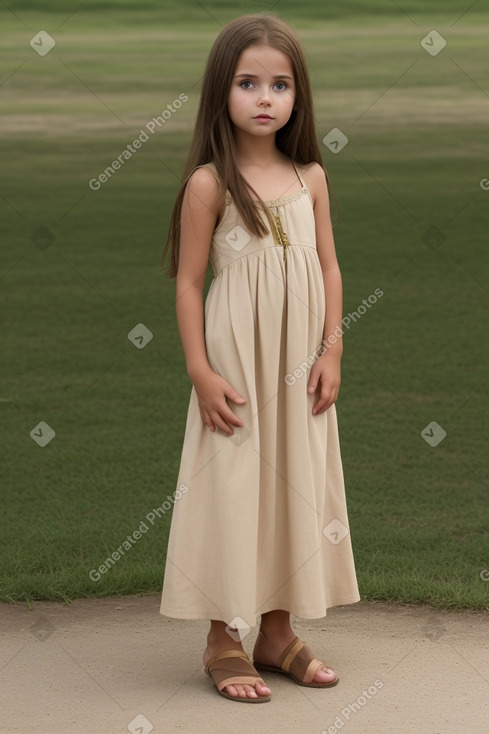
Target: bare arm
(198,219)
(199,214)
(326,371)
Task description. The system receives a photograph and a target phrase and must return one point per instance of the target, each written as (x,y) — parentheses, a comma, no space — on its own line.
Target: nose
(264,98)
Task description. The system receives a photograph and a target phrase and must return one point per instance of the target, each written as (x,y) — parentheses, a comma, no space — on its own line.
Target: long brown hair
(213,139)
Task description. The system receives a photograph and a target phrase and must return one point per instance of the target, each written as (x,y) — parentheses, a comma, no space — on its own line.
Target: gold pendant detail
(281,235)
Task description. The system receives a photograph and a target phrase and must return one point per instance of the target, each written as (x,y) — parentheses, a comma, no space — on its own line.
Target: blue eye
(284,85)
(246,81)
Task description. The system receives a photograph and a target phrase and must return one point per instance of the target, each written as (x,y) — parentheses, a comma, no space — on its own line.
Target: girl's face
(262,92)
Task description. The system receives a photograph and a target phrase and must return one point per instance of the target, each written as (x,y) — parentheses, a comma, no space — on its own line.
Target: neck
(252,150)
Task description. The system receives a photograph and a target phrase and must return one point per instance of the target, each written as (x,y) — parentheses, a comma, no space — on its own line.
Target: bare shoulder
(313,175)
(314,178)
(204,191)
(204,182)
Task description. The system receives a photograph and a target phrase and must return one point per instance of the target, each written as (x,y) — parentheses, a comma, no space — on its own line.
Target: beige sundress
(260,519)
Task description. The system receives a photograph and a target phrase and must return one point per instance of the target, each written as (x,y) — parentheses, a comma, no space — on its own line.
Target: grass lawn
(79,270)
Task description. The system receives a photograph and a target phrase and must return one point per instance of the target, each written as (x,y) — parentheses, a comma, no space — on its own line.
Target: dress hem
(300,614)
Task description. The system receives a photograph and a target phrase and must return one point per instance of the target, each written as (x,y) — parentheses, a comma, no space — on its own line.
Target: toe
(250,691)
(324,674)
(239,690)
(262,689)
(232,690)
(243,690)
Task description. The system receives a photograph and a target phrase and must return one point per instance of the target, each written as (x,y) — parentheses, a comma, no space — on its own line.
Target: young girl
(260,527)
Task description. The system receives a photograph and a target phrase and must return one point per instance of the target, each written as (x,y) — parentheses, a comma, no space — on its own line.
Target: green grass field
(414,222)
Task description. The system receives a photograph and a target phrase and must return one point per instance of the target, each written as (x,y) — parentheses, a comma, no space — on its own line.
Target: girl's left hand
(326,374)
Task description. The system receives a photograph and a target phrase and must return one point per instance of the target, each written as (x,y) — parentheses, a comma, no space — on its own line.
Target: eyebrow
(255,76)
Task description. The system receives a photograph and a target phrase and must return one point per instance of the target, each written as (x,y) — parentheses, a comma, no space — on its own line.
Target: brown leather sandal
(298,662)
(226,672)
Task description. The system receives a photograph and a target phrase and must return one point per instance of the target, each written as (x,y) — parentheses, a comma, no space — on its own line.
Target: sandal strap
(298,660)
(226,672)
(312,669)
(226,654)
(290,653)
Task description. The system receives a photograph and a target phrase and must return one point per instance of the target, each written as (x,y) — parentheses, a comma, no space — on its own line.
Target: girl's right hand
(212,391)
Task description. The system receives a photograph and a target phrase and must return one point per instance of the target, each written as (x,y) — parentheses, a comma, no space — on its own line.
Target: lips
(263,117)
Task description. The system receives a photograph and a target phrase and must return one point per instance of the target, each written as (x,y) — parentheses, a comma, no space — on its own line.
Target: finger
(313,381)
(320,407)
(230,417)
(220,423)
(207,421)
(323,402)
(233,395)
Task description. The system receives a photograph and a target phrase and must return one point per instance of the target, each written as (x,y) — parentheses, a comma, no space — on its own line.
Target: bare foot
(269,648)
(242,690)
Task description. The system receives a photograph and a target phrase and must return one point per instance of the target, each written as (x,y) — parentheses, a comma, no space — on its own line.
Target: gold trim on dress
(279,235)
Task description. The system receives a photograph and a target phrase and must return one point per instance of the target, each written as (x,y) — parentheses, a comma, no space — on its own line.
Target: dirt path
(116,665)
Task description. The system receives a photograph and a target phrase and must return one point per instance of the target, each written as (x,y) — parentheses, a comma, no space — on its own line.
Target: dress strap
(299,176)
